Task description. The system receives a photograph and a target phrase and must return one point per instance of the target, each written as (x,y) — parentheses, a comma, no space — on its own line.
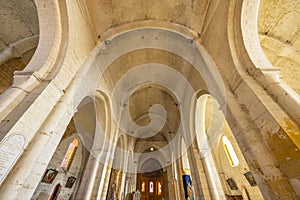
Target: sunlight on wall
(66,163)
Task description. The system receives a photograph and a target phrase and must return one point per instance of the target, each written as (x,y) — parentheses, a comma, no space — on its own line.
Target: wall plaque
(10,149)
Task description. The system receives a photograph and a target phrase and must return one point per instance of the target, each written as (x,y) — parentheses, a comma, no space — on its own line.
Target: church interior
(150,100)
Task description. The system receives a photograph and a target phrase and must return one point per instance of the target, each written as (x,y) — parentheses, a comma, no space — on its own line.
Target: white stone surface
(10,150)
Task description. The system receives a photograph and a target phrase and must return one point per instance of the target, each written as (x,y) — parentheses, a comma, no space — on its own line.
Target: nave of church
(150,100)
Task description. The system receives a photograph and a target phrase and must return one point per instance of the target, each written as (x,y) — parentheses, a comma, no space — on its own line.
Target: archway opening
(151,184)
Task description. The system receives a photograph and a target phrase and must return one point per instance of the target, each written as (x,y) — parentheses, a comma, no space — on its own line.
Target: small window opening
(69,156)
(230,153)
(151,187)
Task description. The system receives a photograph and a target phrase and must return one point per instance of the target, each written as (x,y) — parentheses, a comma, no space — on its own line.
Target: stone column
(198,174)
(26,174)
(174,192)
(88,180)
(179,178)
(127,186)
(214,183)
(94,173)
(134,182)
(170,183)
(271,181)
(122,176)
(104,182)
(104,189)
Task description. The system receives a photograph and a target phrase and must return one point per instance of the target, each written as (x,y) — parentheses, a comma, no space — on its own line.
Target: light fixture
(107,42)
(190,41)
(151,149)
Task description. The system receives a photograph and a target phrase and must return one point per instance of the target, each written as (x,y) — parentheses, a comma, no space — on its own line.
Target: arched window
(231,155)
(143,187)
(151,187)
(55,192)
(66,163)
(159,188)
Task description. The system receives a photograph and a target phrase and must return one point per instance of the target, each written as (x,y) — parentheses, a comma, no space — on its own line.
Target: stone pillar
(134,182)
(198,174)
(127,187)
(89,177)
(26,174)
(103,188)
(117,178)
(179,177)
(214,183)
(170,183)
(122,176)
(95,172)
(174,192)
(271,181)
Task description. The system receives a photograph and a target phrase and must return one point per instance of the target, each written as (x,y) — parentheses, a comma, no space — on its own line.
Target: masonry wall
(226,171)
(44,190)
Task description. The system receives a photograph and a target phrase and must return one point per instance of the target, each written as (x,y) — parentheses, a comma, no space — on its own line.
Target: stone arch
(147,155)
(19,39)
(42,60)
(47,59)
(209,122)
(244,35)
(104,126)
(85,121)
(265,88)
(120,154)
(99,144)
(97,63)
(208,126)
(93,121)
(144,167)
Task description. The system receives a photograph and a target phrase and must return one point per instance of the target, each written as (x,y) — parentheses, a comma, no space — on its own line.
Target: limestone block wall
(225,170)
(8,69)
(44,190)
(278,28)
(260,107)
(17,21)
(47,109)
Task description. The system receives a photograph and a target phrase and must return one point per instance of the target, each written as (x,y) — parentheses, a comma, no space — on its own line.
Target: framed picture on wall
(49,176)
(250,178)
(231,184)
(70,182)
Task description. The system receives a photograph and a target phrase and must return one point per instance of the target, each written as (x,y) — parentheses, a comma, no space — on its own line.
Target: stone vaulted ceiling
(278,26)
(279,32)
(19,30)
